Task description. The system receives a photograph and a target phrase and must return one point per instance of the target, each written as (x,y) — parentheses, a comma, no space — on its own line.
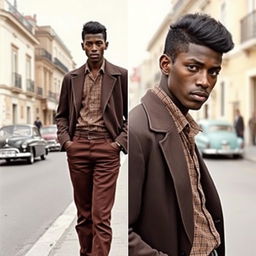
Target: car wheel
(235,156)
(42,157)
(31,159)
(8,160)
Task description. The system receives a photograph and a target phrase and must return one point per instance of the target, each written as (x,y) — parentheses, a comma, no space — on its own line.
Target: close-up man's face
(193,74)
(94,46)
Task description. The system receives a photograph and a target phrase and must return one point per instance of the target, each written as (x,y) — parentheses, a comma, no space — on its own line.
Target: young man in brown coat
(174,208)
(92,128)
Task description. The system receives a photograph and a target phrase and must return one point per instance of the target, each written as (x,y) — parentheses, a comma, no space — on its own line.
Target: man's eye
(214,72)
(192,68)
(88,44)
(99,43)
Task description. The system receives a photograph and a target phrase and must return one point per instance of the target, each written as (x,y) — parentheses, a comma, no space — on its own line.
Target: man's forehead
(93,37)
(201,52)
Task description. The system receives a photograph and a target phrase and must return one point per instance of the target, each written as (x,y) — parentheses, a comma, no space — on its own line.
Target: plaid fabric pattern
(206,237)
(91,116)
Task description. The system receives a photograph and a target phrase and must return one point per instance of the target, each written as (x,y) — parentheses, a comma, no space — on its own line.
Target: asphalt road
(31,198)
(236,184)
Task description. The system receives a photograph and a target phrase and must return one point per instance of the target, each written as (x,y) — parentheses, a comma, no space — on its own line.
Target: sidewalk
(250,153)
(68,243)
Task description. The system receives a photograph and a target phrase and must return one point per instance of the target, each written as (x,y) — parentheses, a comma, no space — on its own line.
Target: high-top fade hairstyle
(94,27)
(198,29)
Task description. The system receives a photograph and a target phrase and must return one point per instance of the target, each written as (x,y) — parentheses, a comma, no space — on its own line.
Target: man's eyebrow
(198,62)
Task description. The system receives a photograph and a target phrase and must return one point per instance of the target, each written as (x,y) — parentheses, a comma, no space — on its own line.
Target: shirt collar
(101,70)
(183,122)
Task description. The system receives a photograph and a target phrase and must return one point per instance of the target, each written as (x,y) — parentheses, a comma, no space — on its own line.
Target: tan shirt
(206,237)
(91,116)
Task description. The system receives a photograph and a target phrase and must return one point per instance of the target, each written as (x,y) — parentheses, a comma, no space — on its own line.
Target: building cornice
(9,18)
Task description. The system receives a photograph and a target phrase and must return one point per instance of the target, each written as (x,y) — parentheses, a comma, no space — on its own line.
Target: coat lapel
(77,83)
(108,83)
(172,150)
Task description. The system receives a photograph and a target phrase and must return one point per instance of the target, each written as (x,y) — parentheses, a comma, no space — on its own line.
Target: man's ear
(165,64)
(82,45)
(106,45)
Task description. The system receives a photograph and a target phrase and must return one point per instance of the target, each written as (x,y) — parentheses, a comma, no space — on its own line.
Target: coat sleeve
(122,137)
(62,116)
(137,166)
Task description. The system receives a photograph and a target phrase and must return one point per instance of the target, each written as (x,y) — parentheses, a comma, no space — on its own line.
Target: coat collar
(109,78)
(160,121)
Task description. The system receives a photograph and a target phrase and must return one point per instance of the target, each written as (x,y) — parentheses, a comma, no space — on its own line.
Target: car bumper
(53,145)
(12,153)
(211,151)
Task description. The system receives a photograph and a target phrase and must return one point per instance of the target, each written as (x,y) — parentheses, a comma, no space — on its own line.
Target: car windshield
(220,127)
(48,130)
(8,131)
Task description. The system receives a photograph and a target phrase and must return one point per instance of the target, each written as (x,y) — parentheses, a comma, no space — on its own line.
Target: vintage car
(49,133)
(22,142)
(219,138)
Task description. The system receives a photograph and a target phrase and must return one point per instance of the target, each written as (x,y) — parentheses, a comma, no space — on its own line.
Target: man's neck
(164,86)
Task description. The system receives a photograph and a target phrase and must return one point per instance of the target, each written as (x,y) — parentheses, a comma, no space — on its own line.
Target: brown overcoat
(113,103)
(160,197)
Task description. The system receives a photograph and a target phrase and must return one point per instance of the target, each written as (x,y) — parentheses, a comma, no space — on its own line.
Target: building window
(222,99)
(28,115)
(14,114)
(14,63)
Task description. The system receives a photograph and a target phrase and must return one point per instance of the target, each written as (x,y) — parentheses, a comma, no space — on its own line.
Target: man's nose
(203,79)
(94,47)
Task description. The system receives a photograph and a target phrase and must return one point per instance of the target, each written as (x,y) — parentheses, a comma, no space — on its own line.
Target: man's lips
(94,55)
(199,95)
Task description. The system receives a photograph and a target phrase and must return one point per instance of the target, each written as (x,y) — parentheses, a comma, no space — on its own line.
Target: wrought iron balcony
(13,10)
(16,80)
(248,27)
(30,85)
(59,64)
(52,95)
(43,53)
(40,91)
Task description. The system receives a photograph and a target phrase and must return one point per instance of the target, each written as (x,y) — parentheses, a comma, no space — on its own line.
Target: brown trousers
(94,166)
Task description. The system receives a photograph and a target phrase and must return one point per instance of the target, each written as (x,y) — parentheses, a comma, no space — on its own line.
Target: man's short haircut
(94,27)
(198,29)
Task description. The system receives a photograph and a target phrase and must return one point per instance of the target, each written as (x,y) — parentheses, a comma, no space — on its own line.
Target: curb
(48,240)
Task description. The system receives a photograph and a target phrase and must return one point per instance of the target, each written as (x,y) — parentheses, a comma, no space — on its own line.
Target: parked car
(22,142)
(219,138)
(49,133)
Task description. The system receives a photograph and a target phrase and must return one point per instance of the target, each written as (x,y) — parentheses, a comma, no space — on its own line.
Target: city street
(31,198)
(236,184)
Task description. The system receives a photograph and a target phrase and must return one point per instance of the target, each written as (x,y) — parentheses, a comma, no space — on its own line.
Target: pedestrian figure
(38,123)
(239,124)
(252,126)
(92,128)
(174,208)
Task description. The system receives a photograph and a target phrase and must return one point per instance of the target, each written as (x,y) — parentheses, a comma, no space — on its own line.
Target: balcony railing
(58,63)
(40,91)
(44,53)
(16,80)
(52,95)
(248,27)
(30,85)
(12,9)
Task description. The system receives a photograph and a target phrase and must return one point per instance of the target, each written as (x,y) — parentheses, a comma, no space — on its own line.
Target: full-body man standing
(92,128)
(174,208)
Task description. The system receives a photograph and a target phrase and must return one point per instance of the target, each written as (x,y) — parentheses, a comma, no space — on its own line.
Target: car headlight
(24,145)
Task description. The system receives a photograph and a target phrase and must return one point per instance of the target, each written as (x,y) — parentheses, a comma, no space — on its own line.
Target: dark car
(22,142)
(49,133)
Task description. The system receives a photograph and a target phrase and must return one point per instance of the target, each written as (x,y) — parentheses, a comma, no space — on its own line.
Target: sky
(130,24)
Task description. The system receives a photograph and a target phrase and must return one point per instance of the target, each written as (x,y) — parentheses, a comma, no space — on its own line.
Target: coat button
(182,253)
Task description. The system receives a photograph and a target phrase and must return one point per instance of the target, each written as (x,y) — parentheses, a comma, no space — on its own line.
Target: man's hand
(67,144)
